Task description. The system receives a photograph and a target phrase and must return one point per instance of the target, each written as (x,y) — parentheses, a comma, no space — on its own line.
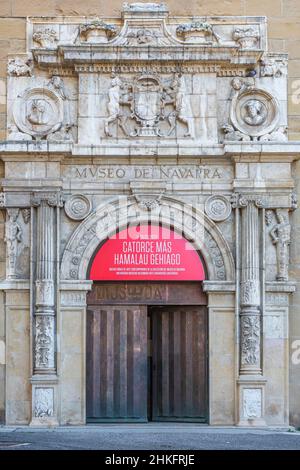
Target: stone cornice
(238,152)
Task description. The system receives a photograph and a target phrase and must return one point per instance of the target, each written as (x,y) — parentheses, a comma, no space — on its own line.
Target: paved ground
(146,437)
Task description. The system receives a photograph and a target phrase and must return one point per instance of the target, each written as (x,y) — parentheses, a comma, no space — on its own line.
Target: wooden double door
(146,363)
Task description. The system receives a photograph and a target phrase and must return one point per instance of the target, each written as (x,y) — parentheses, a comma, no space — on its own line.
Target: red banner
(147,253)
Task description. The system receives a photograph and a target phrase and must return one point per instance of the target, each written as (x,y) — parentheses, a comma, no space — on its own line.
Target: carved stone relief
(197,32)
(20,66)
(140,105)
(13,237)
(280,234)
(78,207)
(45,38)
(44,402)
(246,37)
(218,208)
(254,112)
(97,32)
(273,67)
(252,403)
(38,112)
(44,342)
(250,340)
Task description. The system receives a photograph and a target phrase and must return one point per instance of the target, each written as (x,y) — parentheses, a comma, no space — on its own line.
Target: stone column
(44,311)
(250,381)
(250,314)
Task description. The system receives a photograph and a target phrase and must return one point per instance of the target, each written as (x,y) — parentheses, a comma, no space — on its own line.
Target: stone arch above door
(113,215)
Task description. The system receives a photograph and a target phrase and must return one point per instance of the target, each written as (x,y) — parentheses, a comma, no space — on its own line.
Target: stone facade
(148,116)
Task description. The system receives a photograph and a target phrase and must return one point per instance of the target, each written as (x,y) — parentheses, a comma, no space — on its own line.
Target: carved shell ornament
(254,112)
(38,112)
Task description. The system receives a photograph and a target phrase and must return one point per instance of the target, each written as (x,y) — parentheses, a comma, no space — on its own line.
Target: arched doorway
(147,339)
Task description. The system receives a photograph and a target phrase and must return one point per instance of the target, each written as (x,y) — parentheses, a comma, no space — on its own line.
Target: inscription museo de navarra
(163,172)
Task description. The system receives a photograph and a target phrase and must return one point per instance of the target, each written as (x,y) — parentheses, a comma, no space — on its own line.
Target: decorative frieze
(246,37)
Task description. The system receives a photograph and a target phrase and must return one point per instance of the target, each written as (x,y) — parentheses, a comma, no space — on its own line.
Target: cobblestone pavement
(147,437)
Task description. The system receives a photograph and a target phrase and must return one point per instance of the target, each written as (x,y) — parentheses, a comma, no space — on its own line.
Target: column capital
(51,198)
(241,200)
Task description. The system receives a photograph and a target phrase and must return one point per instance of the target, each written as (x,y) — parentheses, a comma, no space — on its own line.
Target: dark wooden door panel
(179,364)
(117,363)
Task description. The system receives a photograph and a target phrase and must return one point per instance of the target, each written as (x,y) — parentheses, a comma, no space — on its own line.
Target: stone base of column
(251,401)
(44,401)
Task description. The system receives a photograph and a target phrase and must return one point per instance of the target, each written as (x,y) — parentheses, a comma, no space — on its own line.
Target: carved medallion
(254,112)
(38,112)
(218,208)
(78,207)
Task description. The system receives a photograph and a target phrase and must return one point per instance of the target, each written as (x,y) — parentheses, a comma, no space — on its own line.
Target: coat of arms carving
(140,106)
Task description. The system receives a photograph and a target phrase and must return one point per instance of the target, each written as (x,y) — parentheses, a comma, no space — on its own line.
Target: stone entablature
(158,117)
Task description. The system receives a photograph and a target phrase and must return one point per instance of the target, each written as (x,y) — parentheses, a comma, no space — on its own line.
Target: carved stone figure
(13,236)
(281,236)
(20,67)
(182,106)
(256,112)
(113,106)
(58,85)
(45,38)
